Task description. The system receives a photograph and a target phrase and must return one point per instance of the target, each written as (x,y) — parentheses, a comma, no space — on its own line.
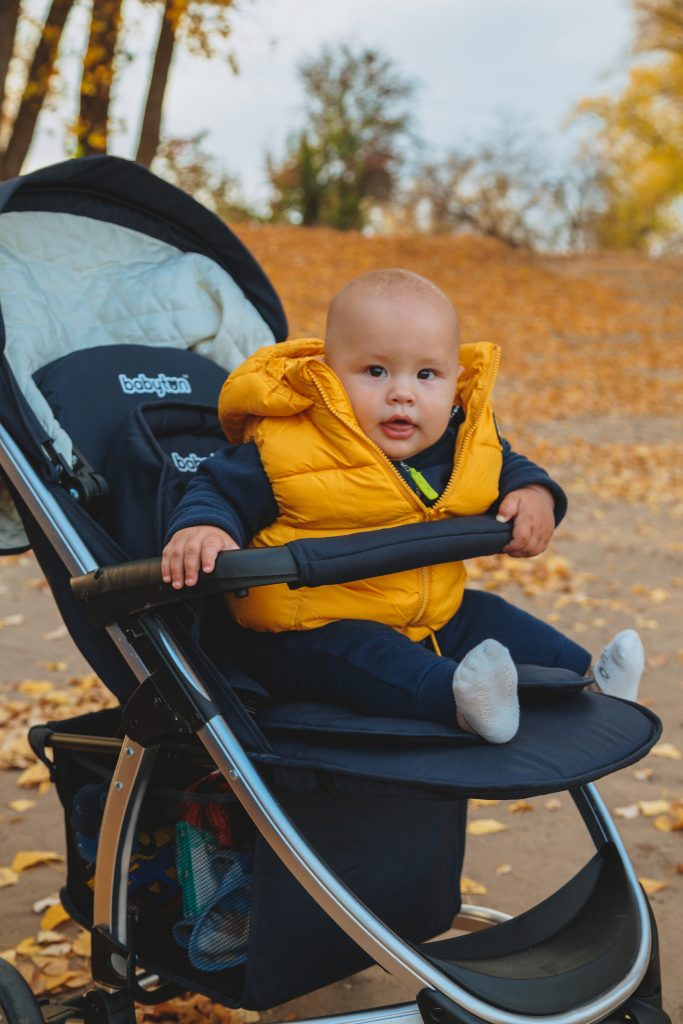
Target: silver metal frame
(365,928)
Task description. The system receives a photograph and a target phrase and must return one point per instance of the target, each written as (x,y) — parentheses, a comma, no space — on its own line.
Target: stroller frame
(438,996)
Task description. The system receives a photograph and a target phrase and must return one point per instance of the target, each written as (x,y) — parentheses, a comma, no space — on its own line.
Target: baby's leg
(620,666)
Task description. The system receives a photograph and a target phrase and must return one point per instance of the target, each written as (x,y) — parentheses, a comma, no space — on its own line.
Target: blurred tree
(185,163)
(36,89)
(96,79)
(202,27)
(639,138)
(498,190)
(9,16)
(350,151)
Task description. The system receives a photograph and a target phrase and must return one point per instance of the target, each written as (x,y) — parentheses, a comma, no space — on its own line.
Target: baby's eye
(375,371)
(426,374)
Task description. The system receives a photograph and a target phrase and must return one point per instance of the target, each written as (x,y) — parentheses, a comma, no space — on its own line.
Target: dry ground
(604,336)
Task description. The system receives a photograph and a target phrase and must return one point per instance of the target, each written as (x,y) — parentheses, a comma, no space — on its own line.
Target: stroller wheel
(18,1005)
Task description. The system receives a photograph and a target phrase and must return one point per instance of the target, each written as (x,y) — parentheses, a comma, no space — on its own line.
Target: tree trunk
(36,89)
(98,72)
(9,15)
(150,132)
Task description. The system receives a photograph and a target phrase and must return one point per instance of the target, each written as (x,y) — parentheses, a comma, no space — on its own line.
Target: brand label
(160,385)
(187,463)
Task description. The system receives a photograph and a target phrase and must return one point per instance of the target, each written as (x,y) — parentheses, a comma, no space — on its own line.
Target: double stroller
(217,841)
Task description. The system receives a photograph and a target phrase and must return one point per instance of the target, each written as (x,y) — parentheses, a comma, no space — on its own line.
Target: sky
(475,63)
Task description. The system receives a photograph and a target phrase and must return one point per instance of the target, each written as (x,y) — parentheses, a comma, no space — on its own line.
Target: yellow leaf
(48,984)
(8,877)
(53,917)
(485,826)
(504,869)
(35,687)
(468,887)
(10,955)
(33,775)
(652,885)
(666,750)
(30,858)
(650,808)
(21,805)
(28,947)
(553,804)
(82,945)
(520,806)
(475,803)
(643,774)
(663,823)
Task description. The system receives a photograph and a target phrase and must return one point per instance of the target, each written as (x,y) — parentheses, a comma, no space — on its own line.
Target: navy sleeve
(518,471)
(231,491)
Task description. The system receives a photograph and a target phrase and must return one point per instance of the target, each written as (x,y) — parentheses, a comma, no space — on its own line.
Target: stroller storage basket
(213,908)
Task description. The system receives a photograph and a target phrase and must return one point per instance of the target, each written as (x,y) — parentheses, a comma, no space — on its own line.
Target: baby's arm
(533,510)
(225,505)
(532,499)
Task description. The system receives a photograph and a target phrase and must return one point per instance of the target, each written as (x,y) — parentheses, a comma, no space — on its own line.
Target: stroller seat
(216,840)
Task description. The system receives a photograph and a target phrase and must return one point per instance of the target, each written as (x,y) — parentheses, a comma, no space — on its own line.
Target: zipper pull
(420,482)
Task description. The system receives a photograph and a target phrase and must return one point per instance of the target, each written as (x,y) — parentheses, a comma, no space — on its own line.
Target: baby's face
(397,358)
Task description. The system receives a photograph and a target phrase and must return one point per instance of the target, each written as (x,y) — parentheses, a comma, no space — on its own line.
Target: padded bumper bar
(117,591)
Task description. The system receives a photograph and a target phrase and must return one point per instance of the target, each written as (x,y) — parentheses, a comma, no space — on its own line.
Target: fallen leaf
(44,983)
(520,806)
(21,805)
(666,750)
(12,620)
(553,804)
(8,877)
(10,955)
(468,887)
(34,775)
(663,823)
(82,945)
(54,916)
(504,869)
(629,812)
(29,947)
(35,687)
(476,803)
(652,885)
(679,869)
(56,634)
(54,666)
(651,808)
(30,858)
(47,901)
(485,826)
(643,774)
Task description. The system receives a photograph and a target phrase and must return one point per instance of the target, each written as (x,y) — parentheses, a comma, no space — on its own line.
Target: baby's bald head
(373,294)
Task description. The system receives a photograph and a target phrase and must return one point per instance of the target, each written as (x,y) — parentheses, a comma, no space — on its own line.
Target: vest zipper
(491,375)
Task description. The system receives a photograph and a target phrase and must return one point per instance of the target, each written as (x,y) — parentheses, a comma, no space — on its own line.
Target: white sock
(485,691)
(621,665)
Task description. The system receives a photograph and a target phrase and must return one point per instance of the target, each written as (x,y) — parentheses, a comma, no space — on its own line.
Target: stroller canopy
(98,252)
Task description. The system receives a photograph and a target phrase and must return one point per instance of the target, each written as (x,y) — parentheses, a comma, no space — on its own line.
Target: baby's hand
(531,508)
(185,550)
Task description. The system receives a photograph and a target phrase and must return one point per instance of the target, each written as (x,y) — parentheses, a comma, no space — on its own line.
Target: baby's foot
(485,691)
(621,665)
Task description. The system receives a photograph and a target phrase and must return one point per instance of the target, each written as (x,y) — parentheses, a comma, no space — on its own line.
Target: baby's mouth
(398,427)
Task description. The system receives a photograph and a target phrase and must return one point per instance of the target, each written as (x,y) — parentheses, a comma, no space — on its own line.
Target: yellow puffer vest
(329,479)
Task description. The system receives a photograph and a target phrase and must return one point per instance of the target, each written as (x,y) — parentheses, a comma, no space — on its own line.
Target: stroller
(216,841)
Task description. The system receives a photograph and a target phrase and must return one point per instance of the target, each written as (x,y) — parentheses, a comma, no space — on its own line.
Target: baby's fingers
(212,546)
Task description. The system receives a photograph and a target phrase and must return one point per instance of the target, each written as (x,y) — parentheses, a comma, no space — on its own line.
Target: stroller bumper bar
(117,591)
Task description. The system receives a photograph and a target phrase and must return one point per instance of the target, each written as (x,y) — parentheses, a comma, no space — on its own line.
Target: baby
(387,422)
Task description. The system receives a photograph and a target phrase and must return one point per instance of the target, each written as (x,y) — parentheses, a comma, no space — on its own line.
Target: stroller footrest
(565,952)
